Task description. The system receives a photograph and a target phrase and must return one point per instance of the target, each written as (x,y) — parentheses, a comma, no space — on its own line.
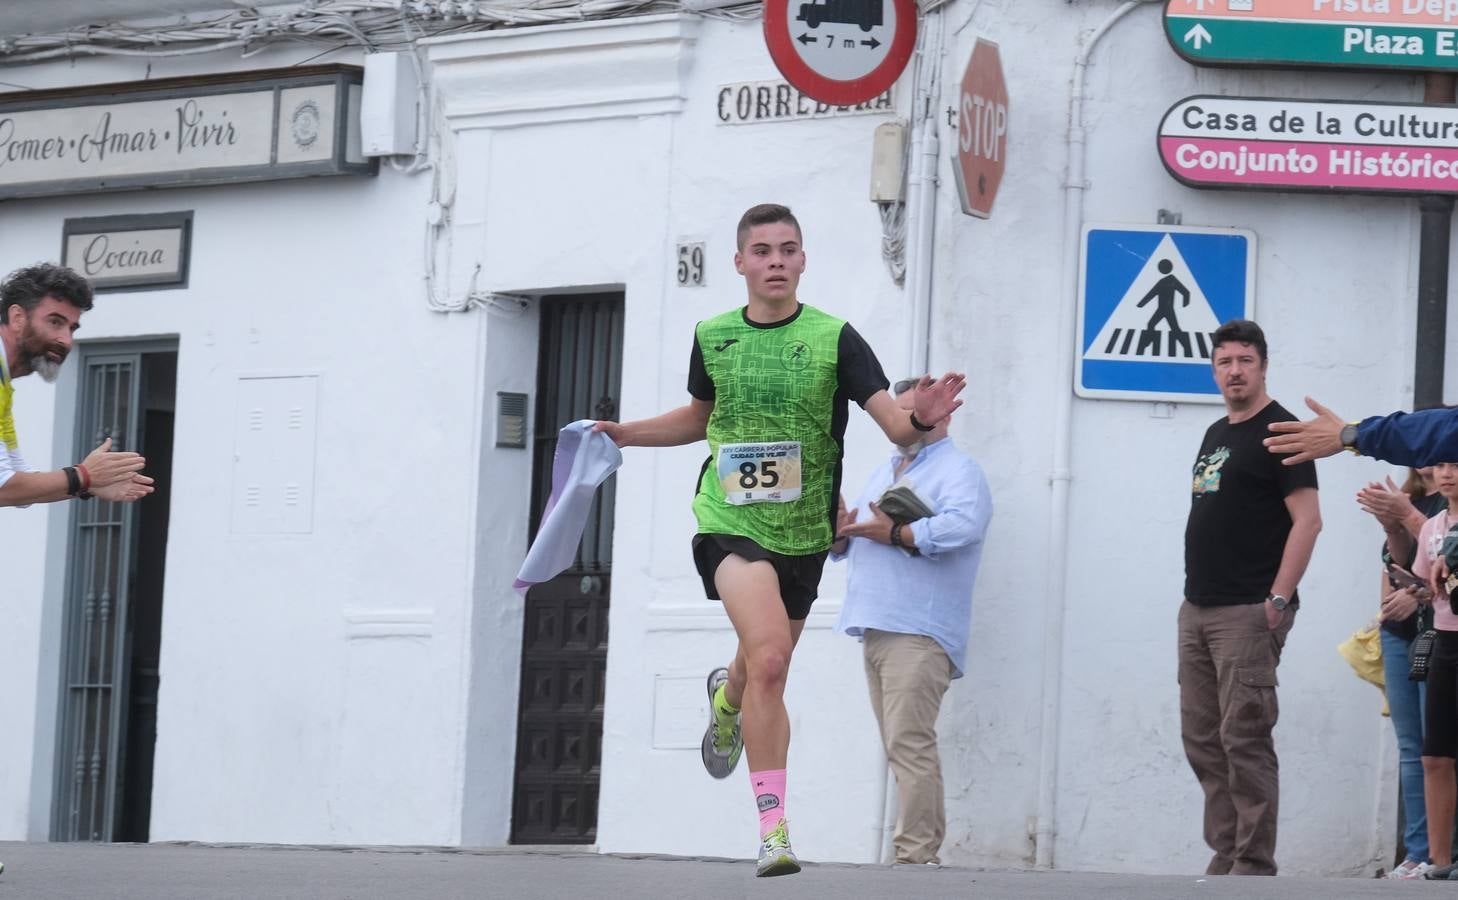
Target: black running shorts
(799,576)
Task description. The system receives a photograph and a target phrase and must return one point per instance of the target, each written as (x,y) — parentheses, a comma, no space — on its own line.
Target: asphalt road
(204,872)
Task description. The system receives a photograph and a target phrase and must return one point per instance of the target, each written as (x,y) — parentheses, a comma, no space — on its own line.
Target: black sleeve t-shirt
(1238,521)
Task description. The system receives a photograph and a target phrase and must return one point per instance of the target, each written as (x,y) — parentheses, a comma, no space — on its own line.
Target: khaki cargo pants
(1227,672)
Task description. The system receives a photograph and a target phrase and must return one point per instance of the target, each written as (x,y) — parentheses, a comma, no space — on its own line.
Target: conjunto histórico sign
(1311,145)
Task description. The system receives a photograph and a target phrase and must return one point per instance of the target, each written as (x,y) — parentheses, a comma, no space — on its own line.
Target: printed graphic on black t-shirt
(1238,521)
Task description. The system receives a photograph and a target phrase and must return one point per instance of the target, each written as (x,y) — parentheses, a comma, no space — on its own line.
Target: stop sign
(981,130)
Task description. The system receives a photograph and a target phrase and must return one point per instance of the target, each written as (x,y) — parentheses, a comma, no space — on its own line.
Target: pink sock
(769,794)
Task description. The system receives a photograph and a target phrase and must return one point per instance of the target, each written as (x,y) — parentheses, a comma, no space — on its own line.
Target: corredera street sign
(1348,34)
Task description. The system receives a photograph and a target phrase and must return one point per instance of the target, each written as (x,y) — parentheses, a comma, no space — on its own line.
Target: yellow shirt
(10,458)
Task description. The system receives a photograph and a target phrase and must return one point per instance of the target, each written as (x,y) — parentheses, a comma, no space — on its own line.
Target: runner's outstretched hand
(935,400)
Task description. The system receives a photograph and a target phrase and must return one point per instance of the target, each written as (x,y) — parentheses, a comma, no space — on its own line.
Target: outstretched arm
(110,474)
(1407,439)
(935,400)
(684,425)
(25,488)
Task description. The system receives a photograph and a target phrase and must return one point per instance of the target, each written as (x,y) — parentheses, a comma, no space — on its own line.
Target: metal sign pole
(1432,312)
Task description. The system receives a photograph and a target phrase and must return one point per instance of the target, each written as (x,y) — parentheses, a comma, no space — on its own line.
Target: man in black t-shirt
(1253,523)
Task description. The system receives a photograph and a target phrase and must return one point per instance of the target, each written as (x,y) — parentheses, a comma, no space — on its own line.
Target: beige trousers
(908,675)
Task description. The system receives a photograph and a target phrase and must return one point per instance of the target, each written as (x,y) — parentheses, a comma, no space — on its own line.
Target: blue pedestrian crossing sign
(1149,300)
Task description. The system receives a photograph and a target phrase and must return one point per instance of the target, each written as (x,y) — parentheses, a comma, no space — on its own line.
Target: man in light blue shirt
(909,598)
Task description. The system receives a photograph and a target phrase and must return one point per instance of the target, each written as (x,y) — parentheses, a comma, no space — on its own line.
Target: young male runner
(769,387)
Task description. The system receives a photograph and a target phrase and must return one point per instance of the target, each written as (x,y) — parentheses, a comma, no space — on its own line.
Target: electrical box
(888,163)
(511,419)
(389,111)
(274,429)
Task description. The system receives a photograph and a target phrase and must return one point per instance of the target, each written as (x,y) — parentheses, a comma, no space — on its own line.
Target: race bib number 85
(760,473)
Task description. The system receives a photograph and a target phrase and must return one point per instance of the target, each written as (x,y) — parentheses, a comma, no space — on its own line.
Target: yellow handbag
(1363,652)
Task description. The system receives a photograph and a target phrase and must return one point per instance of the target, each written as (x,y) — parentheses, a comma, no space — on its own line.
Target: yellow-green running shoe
(722,744)
(775,855)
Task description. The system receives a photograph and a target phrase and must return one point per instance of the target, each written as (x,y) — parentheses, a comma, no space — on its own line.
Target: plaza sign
(252,126)
(1311,145)
(1353,34)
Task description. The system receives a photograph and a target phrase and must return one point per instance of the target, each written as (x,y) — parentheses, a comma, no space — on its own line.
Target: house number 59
(691,265)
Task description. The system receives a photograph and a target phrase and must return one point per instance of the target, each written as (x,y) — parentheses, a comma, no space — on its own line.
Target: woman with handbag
(1402,513)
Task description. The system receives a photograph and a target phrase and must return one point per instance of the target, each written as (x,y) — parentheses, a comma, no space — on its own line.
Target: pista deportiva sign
(1403,34)
(1311,145)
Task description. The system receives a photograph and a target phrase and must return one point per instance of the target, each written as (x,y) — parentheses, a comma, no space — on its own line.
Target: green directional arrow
(1208,41)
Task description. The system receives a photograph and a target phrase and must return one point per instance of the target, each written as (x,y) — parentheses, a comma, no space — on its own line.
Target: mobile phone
(1402,578)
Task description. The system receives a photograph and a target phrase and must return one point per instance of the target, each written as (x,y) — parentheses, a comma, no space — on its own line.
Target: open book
(903,504)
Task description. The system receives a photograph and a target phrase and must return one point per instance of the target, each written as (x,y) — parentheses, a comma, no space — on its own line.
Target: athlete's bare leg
(734,689)
(750,592)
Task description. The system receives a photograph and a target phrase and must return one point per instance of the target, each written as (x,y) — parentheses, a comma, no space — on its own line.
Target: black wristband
(73,481)
(917,424)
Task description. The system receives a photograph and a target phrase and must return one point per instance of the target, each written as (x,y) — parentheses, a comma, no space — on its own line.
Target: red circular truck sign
(840,51)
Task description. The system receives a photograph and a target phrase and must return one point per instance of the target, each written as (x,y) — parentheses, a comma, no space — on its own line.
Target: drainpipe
(1433,243)
(923,188)
(921,191)
(1055,594)
(925,185)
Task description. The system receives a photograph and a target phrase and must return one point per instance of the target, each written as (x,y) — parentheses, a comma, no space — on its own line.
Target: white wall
(359,683)
(312,684)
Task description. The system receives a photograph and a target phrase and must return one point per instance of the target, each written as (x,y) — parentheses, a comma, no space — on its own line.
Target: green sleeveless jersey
(775,434)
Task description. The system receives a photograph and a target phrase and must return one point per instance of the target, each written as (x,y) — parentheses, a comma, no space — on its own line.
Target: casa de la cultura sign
(1311,145)
(251,126)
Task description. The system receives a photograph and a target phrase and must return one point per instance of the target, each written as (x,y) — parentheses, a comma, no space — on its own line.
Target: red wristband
(85,477)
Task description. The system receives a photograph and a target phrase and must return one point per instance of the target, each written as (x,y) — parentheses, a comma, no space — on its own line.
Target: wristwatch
(1278,603)
(1348,437)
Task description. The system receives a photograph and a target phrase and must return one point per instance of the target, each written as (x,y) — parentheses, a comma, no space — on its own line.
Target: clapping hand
(129,491)
(1387,502)
(107,466)
(877,527)
(844,518)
